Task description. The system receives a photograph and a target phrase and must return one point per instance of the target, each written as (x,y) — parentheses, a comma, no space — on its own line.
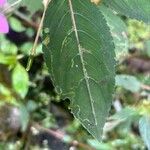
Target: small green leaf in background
(20,80)
(4,90)
(128,82)
(7,47)
(24,117)
(144,127)
(16,24)
(136,9)
(99,146)
(31,106)
(126,113)
(6,95)
(118,30)
(26,48)
(8,60)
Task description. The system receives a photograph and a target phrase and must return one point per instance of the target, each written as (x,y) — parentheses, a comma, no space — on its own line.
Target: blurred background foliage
(32,116)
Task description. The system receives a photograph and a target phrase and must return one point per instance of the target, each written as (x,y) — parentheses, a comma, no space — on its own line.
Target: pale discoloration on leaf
(96,1)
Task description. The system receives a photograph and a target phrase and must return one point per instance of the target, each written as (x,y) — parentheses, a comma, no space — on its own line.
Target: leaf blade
(78,45)
(20,80)
(118,31)
(136,9)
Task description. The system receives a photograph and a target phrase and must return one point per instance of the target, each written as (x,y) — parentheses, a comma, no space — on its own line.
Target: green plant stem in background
(33,50)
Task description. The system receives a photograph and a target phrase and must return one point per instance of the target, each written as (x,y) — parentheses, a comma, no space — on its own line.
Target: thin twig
(33,50)
(59,135)
(10,6)
(145,87)
(27,21)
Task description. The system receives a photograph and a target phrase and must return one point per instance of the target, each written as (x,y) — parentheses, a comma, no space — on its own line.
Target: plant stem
(33,50)
(26,20)
(61,136)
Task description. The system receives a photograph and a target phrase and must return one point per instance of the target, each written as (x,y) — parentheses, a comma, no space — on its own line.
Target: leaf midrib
(82,60)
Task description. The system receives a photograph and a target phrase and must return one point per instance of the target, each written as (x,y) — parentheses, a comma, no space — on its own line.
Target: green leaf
(144,126)
(16,24)
(26,48)
(128,82)
(99,146)
(118,30)
(24,117)
(8,59)
(126,113)
(20,80)
(7,47)
(136,9)
(79,54)
(6,95)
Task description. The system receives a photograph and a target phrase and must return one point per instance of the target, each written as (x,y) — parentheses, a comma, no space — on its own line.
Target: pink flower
(4,28)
